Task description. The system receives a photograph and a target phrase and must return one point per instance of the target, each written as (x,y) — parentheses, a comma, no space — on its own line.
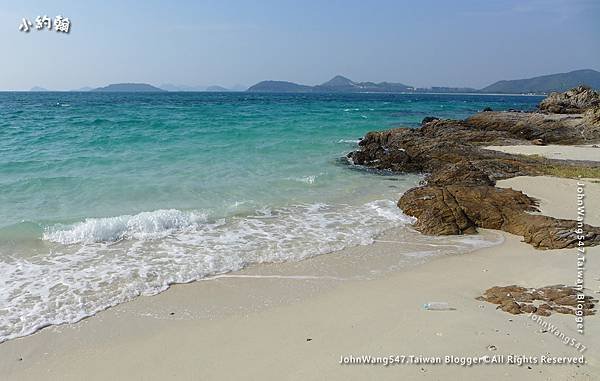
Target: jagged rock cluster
(580,100)
(459,193)
(574,101)
(542,301)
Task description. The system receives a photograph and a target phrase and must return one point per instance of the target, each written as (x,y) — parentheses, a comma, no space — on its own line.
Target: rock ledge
(459,193)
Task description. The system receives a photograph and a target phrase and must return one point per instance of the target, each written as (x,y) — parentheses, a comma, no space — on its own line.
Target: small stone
(511,307)
(543,312)
(528,308)
(309,339)
(491,348)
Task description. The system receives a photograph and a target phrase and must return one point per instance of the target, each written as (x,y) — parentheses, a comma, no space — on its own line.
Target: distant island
(547,83)
(280,87)
(537,85)
(37,89)
(216,88)
(337,84)
(129,87)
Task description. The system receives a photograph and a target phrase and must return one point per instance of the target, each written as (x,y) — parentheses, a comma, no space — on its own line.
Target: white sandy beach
(579,152)
(259,328)
(290,326)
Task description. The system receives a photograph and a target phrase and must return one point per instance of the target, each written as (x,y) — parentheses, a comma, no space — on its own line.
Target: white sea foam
(146,225)
(102,262)
(305,179)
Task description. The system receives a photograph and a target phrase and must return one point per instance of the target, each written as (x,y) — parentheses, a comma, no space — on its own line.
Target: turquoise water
(104,197)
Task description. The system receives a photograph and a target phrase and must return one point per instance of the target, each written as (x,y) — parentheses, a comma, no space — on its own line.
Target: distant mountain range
(547,83)
(129,87)
(337,84)
(537,85)
(144,87)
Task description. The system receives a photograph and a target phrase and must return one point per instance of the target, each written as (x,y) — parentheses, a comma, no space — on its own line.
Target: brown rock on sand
(457,209)
(516,299)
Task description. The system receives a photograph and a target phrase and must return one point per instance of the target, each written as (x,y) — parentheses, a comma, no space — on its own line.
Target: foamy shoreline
(285,324)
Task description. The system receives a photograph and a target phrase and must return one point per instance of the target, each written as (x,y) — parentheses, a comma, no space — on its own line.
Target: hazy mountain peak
(129,87)
(280,87)
(217,88)
(338,81)
(547,83)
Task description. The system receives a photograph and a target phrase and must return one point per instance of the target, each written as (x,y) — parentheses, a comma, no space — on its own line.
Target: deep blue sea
(107,196)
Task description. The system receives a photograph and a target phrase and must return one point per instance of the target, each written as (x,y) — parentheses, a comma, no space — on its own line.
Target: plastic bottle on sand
(437,306)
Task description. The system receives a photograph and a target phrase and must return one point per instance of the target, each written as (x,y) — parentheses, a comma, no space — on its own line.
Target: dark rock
(511,307)
(574,101)
(592,116)
(437,211)
(550,128)
(487,109)
(528,308)
(428,119)
(463,172)
(460,209)
(543,312)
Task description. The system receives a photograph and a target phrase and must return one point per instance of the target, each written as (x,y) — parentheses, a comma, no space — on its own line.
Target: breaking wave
(146,225)
(101,262)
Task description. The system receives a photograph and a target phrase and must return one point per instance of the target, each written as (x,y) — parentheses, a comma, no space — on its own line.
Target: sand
(293,321)
(579,152)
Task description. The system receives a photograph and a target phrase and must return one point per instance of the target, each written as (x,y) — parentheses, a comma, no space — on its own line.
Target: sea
(108,196)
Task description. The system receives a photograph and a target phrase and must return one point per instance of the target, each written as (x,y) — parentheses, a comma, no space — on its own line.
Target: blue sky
(421,43)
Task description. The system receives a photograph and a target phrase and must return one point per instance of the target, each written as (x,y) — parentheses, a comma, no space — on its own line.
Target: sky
(420,43)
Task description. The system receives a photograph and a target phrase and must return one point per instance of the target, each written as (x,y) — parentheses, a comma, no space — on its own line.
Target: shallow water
(104,197)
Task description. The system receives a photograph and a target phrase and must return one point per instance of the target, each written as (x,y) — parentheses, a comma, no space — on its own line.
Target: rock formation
(542,301)
(574,101)
(459,193)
